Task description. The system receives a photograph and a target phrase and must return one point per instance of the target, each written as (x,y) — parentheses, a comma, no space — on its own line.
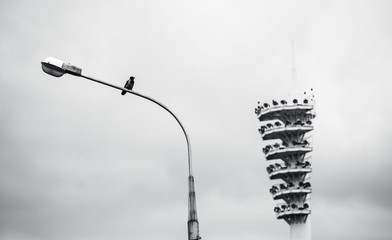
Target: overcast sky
(78,161)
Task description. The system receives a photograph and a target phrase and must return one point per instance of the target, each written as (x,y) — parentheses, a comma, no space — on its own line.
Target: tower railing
(280,168)
(274,153)
(286,209)
(265,108)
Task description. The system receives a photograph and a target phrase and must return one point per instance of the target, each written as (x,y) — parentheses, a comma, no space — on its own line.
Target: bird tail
(123,92)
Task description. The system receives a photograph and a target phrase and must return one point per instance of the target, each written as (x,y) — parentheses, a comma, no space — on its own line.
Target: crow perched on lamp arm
(129,84)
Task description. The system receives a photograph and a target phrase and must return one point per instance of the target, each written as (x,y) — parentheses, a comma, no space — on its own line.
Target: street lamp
(58,68)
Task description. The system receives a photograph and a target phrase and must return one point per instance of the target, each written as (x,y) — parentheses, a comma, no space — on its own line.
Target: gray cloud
(80,161)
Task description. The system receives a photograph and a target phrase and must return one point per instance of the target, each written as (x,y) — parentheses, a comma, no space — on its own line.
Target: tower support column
(300,231)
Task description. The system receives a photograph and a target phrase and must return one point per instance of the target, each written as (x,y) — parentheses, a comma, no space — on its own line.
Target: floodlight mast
(286,128)
(58,68)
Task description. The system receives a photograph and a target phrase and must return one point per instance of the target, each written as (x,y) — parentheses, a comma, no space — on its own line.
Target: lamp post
(58,68)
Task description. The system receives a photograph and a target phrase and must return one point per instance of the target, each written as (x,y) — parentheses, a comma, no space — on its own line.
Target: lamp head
(57,68)
(53,66)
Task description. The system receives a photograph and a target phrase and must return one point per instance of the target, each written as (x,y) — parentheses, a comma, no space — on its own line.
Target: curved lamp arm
(158,103)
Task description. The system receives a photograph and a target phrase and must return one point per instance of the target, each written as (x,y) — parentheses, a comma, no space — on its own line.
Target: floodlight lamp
(58,68)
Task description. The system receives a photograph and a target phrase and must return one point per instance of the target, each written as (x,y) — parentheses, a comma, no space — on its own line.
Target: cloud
(80,161)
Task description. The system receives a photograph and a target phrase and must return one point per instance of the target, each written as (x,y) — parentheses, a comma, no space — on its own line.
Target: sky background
(78,161)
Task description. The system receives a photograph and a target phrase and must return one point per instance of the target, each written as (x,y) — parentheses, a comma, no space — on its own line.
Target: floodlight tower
(286,128)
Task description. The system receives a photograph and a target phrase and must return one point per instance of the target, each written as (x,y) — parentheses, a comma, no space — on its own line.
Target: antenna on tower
(292,52)
(294,92)
(293,70)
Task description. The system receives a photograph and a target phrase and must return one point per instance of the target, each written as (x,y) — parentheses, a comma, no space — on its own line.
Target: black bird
(129,85)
